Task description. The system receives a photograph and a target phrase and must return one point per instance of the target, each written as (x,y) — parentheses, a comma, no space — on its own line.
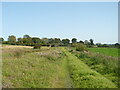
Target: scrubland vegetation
(59,65)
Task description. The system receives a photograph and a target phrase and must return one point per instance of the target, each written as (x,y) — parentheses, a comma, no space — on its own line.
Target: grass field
(106,51)
(53,67)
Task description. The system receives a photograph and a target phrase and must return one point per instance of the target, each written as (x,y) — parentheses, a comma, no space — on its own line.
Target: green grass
(32,70)
(84,77)
(106,51)
(105,65)
(52,67)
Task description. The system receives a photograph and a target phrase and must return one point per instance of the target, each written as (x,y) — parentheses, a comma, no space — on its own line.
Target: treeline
(31,41)
(27,40)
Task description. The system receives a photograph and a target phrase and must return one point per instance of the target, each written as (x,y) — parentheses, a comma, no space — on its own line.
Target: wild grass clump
(52,54)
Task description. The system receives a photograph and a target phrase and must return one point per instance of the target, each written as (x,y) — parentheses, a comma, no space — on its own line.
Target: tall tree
(57,40)
(27,40)
(74,40)
(19,41)
(81,42)
(26,36)
(1,39)
(65,41)
(45,41)
(12,39)
(36,40)
(50,41)
(91,41)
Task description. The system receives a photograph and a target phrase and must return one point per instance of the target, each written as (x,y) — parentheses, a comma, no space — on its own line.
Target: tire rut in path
(68,79)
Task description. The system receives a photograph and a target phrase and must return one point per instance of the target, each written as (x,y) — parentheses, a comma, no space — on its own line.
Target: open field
(53,67)
(106,51)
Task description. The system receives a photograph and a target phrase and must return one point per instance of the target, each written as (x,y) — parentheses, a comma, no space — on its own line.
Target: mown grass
(106,51)
(24,68)
(84,77)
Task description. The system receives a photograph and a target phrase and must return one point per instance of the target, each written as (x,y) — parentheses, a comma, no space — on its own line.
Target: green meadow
(56,67)
(106,51)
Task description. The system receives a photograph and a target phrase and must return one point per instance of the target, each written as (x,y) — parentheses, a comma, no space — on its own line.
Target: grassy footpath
(83,76)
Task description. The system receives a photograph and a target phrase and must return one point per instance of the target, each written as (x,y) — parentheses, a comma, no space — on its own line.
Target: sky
(81,20)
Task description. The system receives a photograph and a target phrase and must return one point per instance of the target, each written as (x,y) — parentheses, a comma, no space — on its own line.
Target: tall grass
(105,65)
(84,77)
(26,68)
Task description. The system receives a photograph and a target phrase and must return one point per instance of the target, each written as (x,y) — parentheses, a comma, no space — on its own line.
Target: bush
(38,46)
(80,47)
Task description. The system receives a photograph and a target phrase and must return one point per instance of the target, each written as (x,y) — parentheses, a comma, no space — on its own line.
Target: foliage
(81,42)
(65,41)
(36,40)
(79,47)
(37,46)
(12,40)
(74,40)
(91,42)
(1,39)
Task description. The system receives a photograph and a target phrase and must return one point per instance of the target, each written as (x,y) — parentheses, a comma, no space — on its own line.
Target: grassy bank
(103,64)
(84,77)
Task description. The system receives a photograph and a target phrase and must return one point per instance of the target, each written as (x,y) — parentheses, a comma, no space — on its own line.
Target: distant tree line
(26,40)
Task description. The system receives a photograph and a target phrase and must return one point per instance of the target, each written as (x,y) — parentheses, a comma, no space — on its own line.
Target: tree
(117,45)
(81,42)
(19,41)
(36,40)
(57,41)
(50,41)
(44,41)
(27,40)
(12,40)
(74,40)
(65,41)
(91,42)
(26,36)
(86,42)
(1,40)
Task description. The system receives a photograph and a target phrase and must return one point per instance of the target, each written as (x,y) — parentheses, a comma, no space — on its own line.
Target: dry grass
(15,46)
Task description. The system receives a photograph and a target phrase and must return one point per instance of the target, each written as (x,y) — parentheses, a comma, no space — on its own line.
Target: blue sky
(82,20)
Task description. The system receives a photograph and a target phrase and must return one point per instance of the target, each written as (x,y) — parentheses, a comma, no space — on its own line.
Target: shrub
(80,47)
(37,46)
